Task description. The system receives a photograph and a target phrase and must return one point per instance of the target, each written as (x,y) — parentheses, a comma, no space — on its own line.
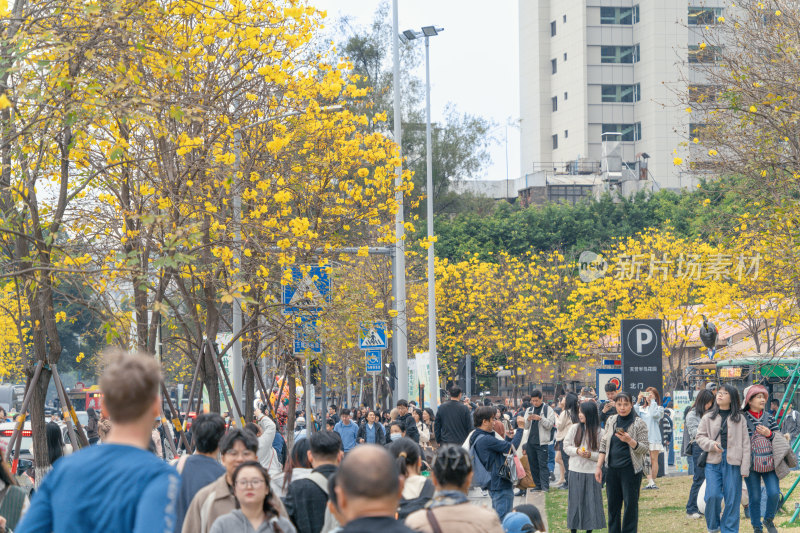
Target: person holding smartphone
(650,410)
(623,448)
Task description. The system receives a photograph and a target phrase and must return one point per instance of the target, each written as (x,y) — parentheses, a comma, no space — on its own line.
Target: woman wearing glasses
(449,511)
(257,510)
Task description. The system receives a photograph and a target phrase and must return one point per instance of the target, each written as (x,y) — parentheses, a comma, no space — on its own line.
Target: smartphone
(619,431)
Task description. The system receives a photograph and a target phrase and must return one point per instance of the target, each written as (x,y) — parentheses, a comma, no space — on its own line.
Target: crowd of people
(406,469)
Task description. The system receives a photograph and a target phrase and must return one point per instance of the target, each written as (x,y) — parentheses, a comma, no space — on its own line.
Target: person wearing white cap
(762,429)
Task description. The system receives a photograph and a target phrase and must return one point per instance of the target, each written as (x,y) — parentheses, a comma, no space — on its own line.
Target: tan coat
(213,501)
(738,451)
(461,518)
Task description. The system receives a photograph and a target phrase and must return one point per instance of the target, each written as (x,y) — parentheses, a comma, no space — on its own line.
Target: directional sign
(308,290)
(372,335)
(373,360)
(641,355)
(306,338)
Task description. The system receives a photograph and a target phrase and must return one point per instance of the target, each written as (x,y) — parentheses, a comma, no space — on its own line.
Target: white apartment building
(595,70)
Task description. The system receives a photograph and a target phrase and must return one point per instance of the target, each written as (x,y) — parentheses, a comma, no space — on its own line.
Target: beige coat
(782,455)
(213,501)
(637,430)
(738,452)
(461,518)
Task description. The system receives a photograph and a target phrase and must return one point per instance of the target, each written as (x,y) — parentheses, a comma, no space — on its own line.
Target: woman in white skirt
(649,409)
(585,497)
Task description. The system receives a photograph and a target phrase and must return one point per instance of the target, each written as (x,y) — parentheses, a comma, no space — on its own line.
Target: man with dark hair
(453,421)
(347,430)
(609,408)
(217,499)
(371,431)
(201,468)
(490,451)
(407,421)
(129,488)
(774,404)
(539,420)
(367,492)
(332,414)
(307,498)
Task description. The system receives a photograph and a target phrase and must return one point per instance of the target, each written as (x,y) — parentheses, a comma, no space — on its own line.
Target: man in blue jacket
(491,452)
(347,430)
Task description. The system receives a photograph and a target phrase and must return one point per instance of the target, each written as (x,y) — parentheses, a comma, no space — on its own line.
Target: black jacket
(371,524)
(409,426)
(305,502)
(379,433)
(453,423)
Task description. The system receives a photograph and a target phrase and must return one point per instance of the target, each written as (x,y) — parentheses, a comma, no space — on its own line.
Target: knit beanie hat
(751,391)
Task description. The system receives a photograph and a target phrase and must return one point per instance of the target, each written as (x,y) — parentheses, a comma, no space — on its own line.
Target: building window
(704,16)
(619,54)
(622,132)
(697,130)
(566,134)
(703,93)
(555,141)
(571,194)
(553,29)
(619,15)
(555,103)
(554,65)
(565,19)
(620,93)
(709,54)
(565,56)
(565,95)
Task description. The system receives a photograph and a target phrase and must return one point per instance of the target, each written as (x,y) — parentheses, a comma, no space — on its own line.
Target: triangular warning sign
(306,285)
(372,338)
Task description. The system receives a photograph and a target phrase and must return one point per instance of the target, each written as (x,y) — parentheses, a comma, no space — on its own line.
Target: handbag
(520,468)
(527,480)
(762,460)
(508,469)
(701,461)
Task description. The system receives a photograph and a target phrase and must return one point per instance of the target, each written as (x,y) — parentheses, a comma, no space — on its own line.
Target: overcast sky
(474,62)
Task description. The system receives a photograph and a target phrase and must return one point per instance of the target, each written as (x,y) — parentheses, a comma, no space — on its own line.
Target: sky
(474,62)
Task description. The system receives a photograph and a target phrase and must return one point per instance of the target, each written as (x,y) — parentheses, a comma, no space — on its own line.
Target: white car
(26,446)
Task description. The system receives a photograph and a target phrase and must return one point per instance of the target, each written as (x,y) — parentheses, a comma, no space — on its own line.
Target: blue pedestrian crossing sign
(372,335)
(309,289)
(306,338)
(373,360)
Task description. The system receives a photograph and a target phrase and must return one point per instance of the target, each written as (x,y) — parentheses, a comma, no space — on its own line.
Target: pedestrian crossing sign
(308,291)
(372,335)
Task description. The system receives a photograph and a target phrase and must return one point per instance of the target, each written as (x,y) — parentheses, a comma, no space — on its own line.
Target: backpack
(480,476)
(760,450)
(330,522)
(407,507)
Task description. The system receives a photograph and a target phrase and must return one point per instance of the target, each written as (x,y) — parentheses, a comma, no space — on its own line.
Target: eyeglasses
(249,483)
(247,454)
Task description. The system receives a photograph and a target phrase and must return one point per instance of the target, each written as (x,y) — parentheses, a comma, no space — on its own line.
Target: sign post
(641,355)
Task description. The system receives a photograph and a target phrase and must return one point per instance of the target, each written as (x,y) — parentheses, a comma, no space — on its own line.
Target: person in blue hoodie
(348,430)
(491,452)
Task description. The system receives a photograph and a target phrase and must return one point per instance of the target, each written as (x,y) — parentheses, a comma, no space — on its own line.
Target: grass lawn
(664,510)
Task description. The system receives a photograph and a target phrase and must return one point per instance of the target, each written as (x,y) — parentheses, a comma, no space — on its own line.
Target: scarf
(625,422)
(445,498)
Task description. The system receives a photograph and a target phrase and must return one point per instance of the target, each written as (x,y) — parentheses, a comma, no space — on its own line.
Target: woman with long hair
(298,466)
(568,417)
(257,507)
(762,430)
(55,442)
(723,434)
(424,431)
(585,498)
(649,409)
(451,510)
(91,426)
(623,449)
(428,420)
(702,404)
(417,490)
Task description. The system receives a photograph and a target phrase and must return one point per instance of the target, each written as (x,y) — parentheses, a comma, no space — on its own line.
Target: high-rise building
(610,70)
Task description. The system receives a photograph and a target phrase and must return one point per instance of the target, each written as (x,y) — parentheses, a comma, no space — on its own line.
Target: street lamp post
(433,380)
(399,339)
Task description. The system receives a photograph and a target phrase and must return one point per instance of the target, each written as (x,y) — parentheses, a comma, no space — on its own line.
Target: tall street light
(399,338)
(433,380)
